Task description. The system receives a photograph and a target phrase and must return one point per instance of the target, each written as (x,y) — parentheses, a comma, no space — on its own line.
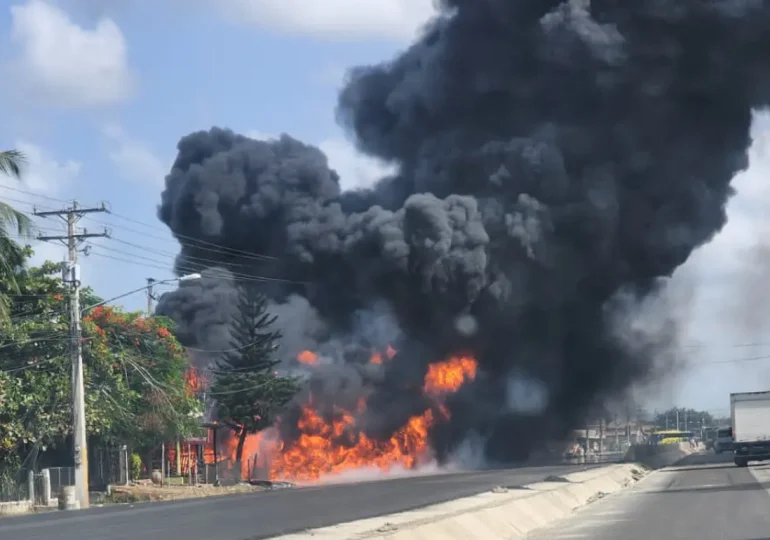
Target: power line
(42,196)
(202,245)
(227,249)
(738,360)
(191,260)
(731,345)
(213,262)
(160,264)
(32,365)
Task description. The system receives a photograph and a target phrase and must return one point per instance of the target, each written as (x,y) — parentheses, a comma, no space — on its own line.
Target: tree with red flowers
(134,371)
(138,365)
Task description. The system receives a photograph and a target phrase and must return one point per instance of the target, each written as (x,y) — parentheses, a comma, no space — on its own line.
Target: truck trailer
(750,414)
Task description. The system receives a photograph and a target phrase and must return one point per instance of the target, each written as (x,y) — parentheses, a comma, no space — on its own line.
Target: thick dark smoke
(555,159)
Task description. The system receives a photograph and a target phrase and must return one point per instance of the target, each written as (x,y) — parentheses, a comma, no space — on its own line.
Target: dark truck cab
(750,412)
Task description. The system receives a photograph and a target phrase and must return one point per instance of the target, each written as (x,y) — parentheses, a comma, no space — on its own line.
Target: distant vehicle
(750,414)
(669,436)
(709,437)
(724,440)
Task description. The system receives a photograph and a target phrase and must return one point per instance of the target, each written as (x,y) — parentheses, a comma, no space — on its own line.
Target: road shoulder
(705,497)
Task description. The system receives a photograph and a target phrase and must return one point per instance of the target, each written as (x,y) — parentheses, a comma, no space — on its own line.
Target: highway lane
(706,497)
(270,513)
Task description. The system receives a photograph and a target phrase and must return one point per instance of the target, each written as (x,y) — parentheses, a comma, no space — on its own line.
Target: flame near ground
(337,449)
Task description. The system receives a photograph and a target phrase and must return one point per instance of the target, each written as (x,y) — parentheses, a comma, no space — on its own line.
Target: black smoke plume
(552,157)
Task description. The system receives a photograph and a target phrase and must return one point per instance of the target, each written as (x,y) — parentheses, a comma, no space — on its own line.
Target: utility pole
(71,275)
(628,424)
(601,434)
(150,295)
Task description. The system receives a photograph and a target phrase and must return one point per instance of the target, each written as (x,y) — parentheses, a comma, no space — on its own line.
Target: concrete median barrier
(507,512)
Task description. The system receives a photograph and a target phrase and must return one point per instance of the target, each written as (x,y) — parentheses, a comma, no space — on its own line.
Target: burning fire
(448,376)
(194,382)
(376,357)
(331,447)
(308,357)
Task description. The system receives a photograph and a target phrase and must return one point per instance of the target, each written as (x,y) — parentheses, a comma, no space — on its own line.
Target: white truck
(750,414)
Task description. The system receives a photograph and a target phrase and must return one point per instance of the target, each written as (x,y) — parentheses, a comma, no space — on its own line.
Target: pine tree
(248,391)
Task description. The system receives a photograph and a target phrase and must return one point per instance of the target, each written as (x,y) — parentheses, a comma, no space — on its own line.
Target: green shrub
(136,467)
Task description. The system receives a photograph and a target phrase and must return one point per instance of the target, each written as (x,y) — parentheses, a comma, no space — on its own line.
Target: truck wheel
(741,462)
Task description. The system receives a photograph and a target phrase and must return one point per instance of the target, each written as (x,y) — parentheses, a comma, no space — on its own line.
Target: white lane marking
(595,523)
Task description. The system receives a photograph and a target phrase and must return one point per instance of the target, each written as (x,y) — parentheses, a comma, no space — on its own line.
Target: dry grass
(149,492)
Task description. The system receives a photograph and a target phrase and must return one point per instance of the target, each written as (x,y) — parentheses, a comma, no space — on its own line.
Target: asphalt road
(706,497)
(266,514)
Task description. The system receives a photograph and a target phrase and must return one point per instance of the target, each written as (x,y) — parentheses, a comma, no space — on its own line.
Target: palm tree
(12,223)
(11,162)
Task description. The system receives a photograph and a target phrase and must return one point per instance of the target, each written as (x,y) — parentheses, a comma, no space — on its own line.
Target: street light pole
(188,277)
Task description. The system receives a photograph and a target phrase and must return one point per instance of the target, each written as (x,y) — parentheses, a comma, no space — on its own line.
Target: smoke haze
(556,162)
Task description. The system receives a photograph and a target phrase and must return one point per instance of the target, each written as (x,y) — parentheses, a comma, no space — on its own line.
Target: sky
(97,93)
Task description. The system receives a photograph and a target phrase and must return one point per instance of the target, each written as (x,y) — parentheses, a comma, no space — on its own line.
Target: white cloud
(748,221)
(730,311)
(67,65)
(333,19)
(44,181)
(134,159)
(42,174)
(260,135)
(356,170)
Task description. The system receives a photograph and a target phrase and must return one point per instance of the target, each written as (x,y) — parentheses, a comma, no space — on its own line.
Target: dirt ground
(150,492)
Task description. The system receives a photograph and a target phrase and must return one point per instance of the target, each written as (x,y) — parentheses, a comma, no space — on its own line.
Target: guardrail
(604,457)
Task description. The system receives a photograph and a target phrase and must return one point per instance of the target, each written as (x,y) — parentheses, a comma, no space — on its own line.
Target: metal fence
(27,484)
(61,477)
(104,467)
(14,486)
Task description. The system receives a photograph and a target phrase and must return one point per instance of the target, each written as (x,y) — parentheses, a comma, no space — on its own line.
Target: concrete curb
(15,508)
(502,513)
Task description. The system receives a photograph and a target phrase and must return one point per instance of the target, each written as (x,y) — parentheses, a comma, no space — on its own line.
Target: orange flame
(194,383)
(328,446)
(449,376)
(308,357)
(377,357)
